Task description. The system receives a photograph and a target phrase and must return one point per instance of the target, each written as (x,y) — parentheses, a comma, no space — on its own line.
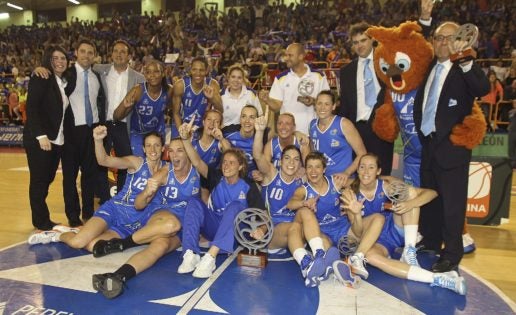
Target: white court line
(190,304)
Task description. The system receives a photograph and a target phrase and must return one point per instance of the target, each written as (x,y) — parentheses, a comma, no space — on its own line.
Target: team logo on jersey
(328,218)
(188,94)
(335,143)
(278,182)
(193,179)
(314,134)
(242,195)
(172,181)
(333,132)
(145,101)
(195,191)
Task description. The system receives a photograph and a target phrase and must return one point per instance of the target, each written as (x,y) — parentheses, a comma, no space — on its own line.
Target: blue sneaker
(331,255)
(342,273)
(312,269)
(450,280)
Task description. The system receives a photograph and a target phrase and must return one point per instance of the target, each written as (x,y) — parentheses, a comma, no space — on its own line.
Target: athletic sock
(315,244)
(126,271)
(128,242)
(299,254)
(410,234)
(419,274)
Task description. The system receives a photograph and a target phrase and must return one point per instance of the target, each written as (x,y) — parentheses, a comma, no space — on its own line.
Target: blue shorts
(122,218)
(392,236)
(336,230)
(277,219)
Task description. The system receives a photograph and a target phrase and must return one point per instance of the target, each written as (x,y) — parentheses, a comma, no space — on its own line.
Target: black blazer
(44,108)
(71,77)
(455,102)
(348,93)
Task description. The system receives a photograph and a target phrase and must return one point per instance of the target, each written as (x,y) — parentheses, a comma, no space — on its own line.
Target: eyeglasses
(441,38)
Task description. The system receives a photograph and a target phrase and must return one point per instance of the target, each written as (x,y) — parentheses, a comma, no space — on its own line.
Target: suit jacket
(71,77)
(348,93)
(455,102)
(44,108)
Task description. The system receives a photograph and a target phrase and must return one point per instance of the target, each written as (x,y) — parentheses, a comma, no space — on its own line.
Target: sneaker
(44,237)
(110,285)
(190,261)
(66,229)
(469,243)
(312,270)
(409,256)
(103,247)
(205,267)
(358,263)
(331,255)
(342,273)
(450,280)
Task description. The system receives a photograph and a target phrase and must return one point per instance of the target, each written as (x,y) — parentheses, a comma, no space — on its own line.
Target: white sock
(420,275)
(315,244)
(299,254)
(410,234)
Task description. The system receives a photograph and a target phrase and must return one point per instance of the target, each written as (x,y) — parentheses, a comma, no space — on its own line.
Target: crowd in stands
(253,35)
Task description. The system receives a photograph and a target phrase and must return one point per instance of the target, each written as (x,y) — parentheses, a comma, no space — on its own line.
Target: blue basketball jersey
(149,114)
(328,204)
(276,195)
(246,145)
(276,150)
(193,103)
(333,144)
(174,195)
(134,184)
(377,203)
(224,193)
(211,155)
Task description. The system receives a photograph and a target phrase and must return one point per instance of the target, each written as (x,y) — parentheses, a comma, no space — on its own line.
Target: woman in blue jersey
(369,195)
(148,102)
(231,192)
(320,194)
(291,228)
(116,218)
(209,141)
(165,195)
(336,137)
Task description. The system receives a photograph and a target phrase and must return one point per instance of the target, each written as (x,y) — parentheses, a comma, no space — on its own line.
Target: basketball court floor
(54,279)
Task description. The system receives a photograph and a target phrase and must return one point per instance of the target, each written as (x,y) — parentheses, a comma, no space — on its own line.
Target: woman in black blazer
(43,133)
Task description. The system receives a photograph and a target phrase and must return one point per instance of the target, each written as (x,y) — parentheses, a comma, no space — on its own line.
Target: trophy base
(245,258)
(466,55)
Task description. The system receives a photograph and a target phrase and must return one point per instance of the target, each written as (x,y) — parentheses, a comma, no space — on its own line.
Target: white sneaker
(357,263)
(469,243)
(450,280)
(65,229)
(44,237)
(205,267)
(190,261)
(409,256)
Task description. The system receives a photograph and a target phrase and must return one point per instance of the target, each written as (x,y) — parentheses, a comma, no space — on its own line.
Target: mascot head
(402,57)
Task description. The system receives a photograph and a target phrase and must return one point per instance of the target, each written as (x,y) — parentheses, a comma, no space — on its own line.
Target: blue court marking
(277,289)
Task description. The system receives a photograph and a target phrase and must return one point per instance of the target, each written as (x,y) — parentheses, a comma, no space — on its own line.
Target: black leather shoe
(75,223)
(110,285)
(444,265)
(103,247)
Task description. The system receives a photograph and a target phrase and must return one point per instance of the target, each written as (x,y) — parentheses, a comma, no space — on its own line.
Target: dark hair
(47,57)
(202,60)
(123,42)
(200,131)
(355,185)
(164,84)
(87,42)
(316,156)
(290,147)
(153,133)
(329,93)
(240,156)
(249,106)
(358,28)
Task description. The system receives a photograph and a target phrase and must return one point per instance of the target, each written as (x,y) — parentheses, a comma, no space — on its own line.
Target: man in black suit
(446,96)
(86,110)
(357,101)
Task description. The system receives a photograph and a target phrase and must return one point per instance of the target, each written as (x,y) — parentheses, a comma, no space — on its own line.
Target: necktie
(428,123)
(369,88)
(87,105)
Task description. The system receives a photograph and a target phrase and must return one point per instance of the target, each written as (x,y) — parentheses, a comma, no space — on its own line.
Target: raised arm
(130,162)
(127,104)
(179,88)
(264,165)
(212,93)
(153,184)
(185,132)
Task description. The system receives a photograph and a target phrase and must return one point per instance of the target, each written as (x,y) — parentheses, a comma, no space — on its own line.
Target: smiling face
(58,62)
(120,55)
(231,166)
(324,106)
(153,147)
(247,119)
(285,125)
(211,121)
(290,162)
(315,170)
(153,73)
(177,155)
(368,170)
(442,38)
(198,72)
(85,54)
(236,79)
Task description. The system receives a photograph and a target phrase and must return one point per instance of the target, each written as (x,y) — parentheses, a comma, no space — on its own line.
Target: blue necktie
(428,123)
(369,88)
(87,105)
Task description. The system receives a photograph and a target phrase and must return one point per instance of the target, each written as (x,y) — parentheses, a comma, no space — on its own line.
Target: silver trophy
(396,192)
(305,88)
(469,34)
(245,223)
(347,245)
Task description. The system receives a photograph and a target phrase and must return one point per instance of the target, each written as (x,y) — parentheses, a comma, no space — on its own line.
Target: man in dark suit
(117,79)
(86,110)
(361,93)
(444,99)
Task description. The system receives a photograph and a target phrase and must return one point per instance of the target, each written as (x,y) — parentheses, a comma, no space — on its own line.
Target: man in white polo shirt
(295,90)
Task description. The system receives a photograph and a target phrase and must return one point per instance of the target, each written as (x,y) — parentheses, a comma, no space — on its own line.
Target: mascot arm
(471,131)
(385,124)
